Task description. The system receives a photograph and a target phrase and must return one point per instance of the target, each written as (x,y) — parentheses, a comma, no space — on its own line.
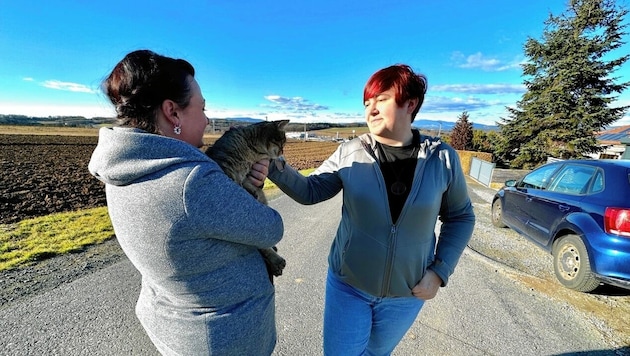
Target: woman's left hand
(428,286)
(258,173)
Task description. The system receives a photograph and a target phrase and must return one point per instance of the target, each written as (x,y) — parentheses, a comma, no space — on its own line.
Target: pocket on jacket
(363,263)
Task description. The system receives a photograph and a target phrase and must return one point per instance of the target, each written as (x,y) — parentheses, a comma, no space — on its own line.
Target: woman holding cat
(192,233)
(385,260)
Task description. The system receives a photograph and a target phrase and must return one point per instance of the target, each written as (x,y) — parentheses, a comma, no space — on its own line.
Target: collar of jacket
(428,144)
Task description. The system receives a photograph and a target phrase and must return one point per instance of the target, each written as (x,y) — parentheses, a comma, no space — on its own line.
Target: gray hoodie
(193,235)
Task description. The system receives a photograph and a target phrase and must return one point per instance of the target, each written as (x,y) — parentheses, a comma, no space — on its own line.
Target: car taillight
(617,221)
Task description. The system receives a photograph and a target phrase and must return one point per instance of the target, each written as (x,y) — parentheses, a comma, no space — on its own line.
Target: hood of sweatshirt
(124,155)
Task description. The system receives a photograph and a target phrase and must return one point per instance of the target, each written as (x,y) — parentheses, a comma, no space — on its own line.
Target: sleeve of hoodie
(213,202)
(456,215)
(324,183)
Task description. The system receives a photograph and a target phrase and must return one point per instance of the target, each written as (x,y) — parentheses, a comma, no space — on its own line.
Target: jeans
(357,323)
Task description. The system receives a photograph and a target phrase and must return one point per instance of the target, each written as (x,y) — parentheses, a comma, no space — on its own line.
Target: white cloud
(292,105)
(479,61)
(295,117)
(68,86)
(43,110)
(481,88)
(435,104)
(625,120)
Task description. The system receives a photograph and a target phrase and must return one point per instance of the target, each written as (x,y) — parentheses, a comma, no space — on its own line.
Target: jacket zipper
(389,262)
(393,230)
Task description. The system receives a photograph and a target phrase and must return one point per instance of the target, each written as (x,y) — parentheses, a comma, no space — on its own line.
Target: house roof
(614,135)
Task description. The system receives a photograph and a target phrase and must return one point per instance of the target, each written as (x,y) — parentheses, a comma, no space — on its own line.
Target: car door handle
(563,208)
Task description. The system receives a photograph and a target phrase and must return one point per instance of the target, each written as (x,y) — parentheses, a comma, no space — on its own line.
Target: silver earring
(177,129)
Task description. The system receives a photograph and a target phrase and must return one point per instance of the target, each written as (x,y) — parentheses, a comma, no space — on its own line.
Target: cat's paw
(275,263)
(278,265)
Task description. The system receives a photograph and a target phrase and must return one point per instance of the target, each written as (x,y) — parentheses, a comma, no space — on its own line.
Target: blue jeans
(357,323)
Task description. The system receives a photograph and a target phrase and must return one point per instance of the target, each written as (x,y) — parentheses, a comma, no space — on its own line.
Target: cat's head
(273,135)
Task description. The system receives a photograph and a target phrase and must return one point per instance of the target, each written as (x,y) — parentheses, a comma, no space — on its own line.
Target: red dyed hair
(406,83)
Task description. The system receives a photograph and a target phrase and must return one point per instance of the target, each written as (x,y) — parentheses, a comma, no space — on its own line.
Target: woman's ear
(169,111)
(411,105)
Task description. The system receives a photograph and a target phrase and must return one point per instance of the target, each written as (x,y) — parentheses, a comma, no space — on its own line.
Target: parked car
(579,211)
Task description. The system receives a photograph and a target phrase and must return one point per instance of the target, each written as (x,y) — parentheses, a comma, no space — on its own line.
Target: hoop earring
(177,129)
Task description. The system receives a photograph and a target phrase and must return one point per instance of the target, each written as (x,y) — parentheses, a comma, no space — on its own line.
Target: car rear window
(598,182)
(573,179)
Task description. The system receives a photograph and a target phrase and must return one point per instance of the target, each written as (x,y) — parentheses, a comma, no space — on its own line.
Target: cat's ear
(281,124)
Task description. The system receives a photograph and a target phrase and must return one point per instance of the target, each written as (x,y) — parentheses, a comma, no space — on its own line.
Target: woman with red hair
(386,260)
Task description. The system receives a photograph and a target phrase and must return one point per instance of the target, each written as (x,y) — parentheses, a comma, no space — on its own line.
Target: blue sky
(303,60)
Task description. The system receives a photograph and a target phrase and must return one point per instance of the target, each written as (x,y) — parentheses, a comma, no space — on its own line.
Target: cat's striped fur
(237,150)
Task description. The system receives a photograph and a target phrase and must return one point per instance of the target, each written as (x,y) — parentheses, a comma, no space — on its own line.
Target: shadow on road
(618,352)
(611,291)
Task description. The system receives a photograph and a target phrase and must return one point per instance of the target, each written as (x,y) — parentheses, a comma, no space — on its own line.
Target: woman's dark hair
(139,84)
(405,82)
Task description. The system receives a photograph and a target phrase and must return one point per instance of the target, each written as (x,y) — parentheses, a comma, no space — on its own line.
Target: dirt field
(44,174)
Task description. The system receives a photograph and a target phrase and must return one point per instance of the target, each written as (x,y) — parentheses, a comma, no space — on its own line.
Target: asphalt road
(483,310)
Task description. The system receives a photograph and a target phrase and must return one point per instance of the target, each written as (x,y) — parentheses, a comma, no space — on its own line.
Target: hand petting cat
(258,173)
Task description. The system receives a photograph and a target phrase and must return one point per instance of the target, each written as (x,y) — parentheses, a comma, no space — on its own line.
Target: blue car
(579,211)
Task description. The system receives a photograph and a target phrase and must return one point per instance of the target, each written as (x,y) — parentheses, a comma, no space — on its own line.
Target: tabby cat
(237,150)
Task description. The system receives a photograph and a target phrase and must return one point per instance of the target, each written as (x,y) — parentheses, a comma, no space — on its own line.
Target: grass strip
(35,239)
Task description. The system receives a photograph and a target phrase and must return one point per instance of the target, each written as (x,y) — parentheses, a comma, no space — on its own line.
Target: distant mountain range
(444,126)
(420,124)
(237,119)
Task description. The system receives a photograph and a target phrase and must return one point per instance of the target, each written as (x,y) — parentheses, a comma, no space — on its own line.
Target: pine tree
(483,141)
(462,134)
(570,87)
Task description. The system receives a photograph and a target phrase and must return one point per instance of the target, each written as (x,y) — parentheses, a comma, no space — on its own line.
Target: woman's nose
(371,108)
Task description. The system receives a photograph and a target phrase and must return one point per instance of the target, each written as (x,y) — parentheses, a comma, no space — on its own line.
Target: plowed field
(44,174)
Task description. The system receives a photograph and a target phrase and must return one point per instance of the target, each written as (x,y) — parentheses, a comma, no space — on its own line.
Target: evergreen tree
(483,141)
(570,86)
(462,134)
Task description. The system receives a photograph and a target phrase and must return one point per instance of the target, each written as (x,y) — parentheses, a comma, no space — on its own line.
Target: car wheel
(571,264)
(497,214)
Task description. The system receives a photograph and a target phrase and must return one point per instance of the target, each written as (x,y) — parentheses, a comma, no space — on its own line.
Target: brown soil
(41,175)
(45,174)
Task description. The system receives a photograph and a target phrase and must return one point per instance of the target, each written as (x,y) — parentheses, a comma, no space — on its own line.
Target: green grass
(32,240)
(270,185)
(36,239)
